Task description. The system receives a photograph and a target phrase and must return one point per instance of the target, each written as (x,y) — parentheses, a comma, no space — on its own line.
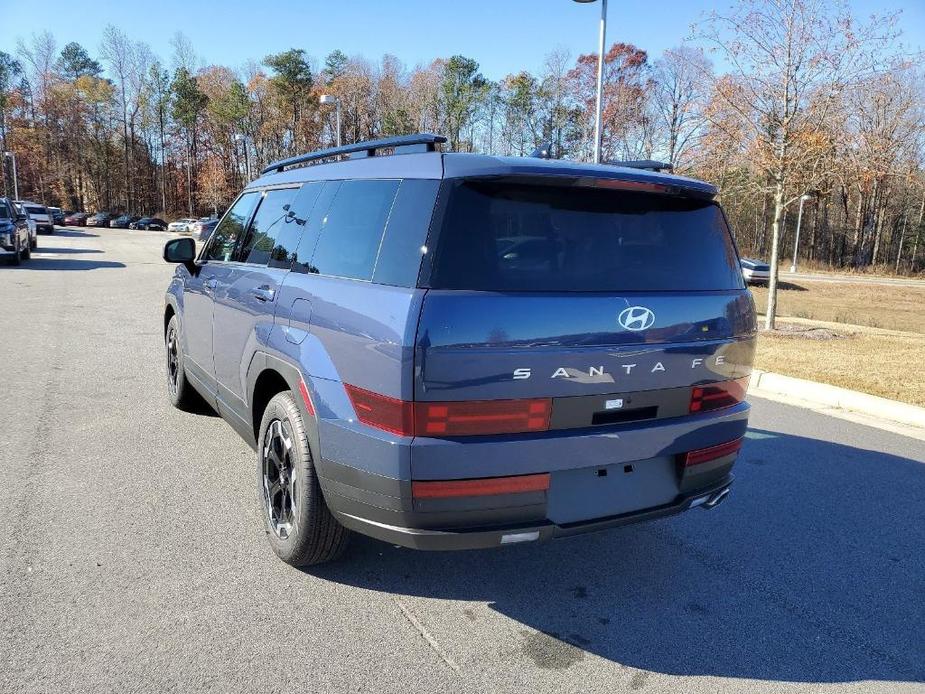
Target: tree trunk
(771,313)
(902,236)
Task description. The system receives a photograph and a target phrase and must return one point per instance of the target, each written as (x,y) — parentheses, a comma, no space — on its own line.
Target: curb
(838,398)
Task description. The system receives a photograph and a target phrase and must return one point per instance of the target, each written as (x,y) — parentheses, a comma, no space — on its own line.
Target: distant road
(851,279)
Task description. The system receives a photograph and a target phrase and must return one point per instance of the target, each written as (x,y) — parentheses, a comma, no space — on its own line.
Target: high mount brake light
(716,396)
(468,418)
(705,455)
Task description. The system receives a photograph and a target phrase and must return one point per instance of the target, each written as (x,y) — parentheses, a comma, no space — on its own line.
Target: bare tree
(790,61)
(116,50)
(681,79)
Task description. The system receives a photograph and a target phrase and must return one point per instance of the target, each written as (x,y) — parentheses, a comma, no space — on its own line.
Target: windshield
(518,237)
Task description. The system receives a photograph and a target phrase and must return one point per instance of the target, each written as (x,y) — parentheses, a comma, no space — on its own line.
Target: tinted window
(406,233)
(35,210)
(271,217)
(5,211)
(504,236)
(285,248)
(352,229)
(230,229)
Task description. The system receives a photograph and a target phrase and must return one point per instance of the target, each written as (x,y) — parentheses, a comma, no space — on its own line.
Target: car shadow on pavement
(75,233)
(813,571)
(39,263)
(65,251)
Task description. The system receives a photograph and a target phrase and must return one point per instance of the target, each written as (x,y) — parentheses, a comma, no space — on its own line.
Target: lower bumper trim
(417,538)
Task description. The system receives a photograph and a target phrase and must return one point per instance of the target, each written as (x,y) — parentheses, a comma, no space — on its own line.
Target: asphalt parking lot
(133,557)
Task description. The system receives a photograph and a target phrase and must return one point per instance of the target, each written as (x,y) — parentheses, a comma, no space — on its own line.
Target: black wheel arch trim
(263,362)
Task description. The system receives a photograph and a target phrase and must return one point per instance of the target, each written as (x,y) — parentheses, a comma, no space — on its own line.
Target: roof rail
(649,164)
(419,142)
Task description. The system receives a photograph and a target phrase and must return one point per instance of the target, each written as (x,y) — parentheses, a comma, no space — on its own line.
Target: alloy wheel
(173,361)
(280,481)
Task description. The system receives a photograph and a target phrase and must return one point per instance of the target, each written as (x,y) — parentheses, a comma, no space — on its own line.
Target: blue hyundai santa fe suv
(449,351)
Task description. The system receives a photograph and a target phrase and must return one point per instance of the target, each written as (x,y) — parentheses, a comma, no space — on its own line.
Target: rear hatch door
(569,291)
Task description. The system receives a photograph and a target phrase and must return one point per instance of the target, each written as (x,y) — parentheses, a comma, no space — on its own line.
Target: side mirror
(181,251)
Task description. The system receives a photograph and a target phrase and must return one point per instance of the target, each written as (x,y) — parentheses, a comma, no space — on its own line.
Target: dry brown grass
(880,362)
(877,306)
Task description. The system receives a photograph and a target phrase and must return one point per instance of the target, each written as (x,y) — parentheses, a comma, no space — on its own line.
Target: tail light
(471,418)
(382,412)
(705,455)
(716,396)
(481,417)
(486,486)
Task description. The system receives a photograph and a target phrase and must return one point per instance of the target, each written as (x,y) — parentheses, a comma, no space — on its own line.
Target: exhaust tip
(716,499)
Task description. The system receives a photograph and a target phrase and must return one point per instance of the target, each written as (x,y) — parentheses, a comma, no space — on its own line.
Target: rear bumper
(484,538)
(600,478)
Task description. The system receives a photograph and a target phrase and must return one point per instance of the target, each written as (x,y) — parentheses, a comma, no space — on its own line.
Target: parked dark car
(58,215)
(123,221)
(100,219)
(458,351)
(152,223)
(204,228)
(15,236)
(76,219)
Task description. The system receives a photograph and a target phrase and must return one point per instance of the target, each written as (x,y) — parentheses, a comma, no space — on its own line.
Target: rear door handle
(264,293)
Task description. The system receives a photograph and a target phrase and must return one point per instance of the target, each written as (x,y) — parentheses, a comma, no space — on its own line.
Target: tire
(304,532)
(179,391)
(27,251)
(16,258)
(34,244)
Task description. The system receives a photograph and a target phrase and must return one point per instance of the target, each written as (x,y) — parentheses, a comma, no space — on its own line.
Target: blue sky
(503,35)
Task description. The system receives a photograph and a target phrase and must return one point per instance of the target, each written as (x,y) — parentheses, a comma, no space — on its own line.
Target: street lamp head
(327,99)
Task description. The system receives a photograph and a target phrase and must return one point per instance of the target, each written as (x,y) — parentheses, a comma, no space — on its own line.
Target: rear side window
(302,209)
(518,237)
(352,229)
(271,217)
(231,228)
(403,245)
(5,212)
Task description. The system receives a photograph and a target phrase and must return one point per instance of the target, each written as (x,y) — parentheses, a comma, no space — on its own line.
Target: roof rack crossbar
(648,164)
(407,143)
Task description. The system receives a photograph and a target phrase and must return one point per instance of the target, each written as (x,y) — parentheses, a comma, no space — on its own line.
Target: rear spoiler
(667,185)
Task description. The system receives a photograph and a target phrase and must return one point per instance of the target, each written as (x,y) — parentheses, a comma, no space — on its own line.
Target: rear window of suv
(35,210)
(507,236)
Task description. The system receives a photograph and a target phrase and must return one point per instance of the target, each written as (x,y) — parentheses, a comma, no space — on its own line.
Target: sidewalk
(822,395)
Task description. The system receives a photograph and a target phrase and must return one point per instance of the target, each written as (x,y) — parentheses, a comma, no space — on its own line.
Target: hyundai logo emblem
(636,318)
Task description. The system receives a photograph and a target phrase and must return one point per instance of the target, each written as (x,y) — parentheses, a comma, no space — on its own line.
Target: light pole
(15,179)
(600,79)
(796,241)
(330,99)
